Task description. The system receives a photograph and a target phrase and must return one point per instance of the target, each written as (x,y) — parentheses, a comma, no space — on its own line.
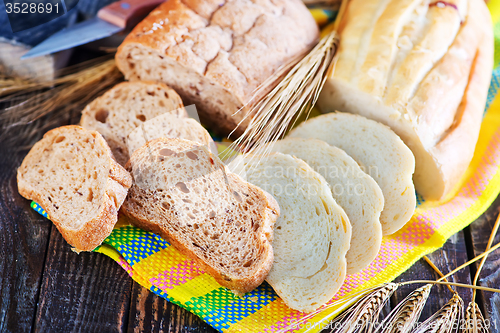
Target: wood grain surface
(490,274)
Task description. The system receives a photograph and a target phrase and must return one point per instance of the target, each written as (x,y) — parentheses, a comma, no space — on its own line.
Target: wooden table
(45,287)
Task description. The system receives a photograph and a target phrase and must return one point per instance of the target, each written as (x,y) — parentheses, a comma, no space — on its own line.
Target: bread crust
(456,149)
(93,232)
(216,53)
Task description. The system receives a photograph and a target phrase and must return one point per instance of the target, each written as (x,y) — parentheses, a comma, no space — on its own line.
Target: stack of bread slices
(315,207)
(302,217)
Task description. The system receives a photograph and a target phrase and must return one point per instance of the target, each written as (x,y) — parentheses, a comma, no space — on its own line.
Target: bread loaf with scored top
(423,68)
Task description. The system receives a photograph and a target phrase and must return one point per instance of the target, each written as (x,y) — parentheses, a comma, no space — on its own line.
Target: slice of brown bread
(124,107)
(169,126)
(183,192)
(72,175)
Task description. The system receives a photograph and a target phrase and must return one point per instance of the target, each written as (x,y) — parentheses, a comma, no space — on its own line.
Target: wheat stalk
(403,317)
(26,101)
(345,303)
(360,318)
(445,320)
(474,319)
(273,115)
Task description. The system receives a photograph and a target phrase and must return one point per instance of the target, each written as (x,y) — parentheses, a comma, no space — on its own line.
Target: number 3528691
(31,8)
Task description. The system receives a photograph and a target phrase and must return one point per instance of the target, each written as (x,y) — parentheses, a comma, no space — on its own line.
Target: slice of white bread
(380,153)
(182,192)
(312,234)
(124,107)
(72,175)
(355,191)
(169,126)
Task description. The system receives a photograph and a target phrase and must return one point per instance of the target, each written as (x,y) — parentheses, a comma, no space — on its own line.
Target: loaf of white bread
(423,68)
(215,53)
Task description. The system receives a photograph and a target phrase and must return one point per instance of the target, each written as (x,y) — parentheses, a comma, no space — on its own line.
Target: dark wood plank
(151,313)
(450,256)
(86,292)
(23,244)
(490,274)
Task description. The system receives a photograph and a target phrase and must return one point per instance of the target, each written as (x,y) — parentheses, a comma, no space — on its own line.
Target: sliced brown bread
(124,107)
(72,175)
(183,192)
(169,126)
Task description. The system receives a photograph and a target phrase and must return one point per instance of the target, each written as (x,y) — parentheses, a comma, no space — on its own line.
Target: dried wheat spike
(360,317)
(446,320)
(404,316)
(474,320)
(296,94)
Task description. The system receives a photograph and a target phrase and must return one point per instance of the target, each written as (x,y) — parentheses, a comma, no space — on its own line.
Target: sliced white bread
(124,107)
(72,175)
(312,234)
(355,191)
(380,153)
(182,192)
(169,126)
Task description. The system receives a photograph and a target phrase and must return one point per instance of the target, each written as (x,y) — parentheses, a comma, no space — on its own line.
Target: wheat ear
(445,320)
(273,115)
(404,316)
(474,319)
(28,101)
(360,317)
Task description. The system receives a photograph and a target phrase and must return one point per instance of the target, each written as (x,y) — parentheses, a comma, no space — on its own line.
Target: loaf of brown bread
(215,53)
(72,175)
(183,192)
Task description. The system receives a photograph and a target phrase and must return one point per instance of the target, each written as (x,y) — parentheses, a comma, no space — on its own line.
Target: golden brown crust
(456,149)
(93,232)
(216,53)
